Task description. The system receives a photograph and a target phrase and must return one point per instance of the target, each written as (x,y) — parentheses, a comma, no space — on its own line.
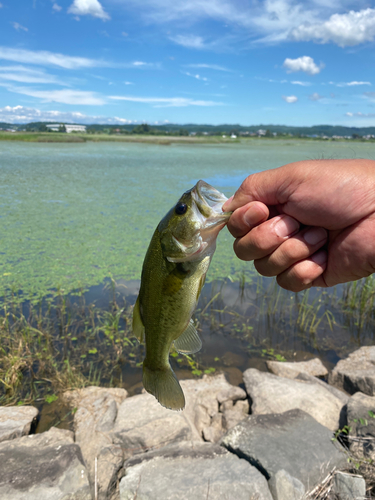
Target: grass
(62,342)
(84,137)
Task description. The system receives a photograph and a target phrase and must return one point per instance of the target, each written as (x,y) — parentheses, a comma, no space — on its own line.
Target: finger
(295,249)
(245,218)
(269,187)
(303,274)
(265,238)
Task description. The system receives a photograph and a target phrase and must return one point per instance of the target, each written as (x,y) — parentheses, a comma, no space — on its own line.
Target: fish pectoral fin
(137,325)
(188,342)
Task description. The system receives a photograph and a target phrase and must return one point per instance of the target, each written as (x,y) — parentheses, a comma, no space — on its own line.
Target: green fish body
(173,275)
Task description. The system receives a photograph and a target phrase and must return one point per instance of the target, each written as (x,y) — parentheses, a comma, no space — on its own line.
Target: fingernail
(286,227)
(320,258)
(315,235)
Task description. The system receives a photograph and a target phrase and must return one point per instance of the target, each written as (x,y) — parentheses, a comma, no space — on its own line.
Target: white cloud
(262,21)
(197,77)
(303,84)
(128,83)
(290,99)
(208,66)
(189,41)
(304,63)
(45,58)
(23,74)
(56,7)
(349,84)
(21,114)
(315,97)
(167,101)
(65,96)
(19,27)
(1,6)
(344,30)
(359,114)
(88,7)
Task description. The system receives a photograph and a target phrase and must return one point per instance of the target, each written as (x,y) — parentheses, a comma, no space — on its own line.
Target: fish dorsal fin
(137,326)
(188,342)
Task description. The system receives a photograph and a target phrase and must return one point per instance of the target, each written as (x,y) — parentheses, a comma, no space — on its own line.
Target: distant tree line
(206,129)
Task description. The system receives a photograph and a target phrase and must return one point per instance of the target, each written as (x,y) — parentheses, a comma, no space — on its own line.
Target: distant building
(233,136)
(69,128)
(261,132)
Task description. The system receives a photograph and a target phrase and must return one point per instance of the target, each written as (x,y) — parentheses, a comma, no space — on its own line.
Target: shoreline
(164,140)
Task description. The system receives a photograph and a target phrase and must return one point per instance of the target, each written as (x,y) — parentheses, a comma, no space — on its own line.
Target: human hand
(309,223)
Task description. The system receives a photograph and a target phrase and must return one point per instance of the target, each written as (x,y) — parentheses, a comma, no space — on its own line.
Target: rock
(96,413)
(234,415)
(43,467)
(313,367)
(272,394)
(213,433)
(143,424)
(362,425)
(191,471)
(230,393)
(15,421)
(283,486)
(292,441)
(202,402)
(342,396)
(349,486)
(356,372)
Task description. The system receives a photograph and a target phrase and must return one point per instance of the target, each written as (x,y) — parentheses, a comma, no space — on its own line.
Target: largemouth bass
(173,275)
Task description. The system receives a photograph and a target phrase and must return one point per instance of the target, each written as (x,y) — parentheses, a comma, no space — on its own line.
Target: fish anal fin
(163,384)
(188,342)
(137,325)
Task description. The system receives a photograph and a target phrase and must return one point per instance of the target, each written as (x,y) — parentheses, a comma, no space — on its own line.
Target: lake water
(74,215)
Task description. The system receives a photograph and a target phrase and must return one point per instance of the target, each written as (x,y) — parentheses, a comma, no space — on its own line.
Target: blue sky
(188,61)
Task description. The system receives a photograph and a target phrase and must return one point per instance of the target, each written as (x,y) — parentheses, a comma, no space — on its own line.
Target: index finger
(269,187)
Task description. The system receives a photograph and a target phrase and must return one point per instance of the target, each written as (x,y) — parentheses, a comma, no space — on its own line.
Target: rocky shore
(271,440)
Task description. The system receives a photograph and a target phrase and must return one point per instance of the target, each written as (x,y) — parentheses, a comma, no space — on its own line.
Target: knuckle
(264,268)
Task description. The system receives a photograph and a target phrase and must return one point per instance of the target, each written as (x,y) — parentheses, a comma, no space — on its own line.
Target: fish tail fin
(163,384)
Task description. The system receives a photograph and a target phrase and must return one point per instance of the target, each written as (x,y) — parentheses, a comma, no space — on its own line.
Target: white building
(69,128)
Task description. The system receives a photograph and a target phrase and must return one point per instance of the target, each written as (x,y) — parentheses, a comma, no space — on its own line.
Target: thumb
(270,187)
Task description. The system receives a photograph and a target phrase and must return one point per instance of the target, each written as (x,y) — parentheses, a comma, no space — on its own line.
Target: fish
(173,275)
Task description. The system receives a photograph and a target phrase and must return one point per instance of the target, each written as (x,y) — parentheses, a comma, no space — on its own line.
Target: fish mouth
(213,200)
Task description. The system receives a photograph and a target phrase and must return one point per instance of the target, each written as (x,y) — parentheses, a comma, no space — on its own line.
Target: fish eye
(180,208)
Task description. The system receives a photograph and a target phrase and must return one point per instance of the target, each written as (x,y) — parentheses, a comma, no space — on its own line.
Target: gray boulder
(362,425)
(356,372)
(338,393)
(206,400)
(283,486)
(292,441)
(349,486)
(95,417)
(272,394)
(43,467)
(313,367)
(15,421)
(191,471)
(142,424)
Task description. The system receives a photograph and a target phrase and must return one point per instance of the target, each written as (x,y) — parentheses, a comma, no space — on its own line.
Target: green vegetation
(67,341)
(193,132)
